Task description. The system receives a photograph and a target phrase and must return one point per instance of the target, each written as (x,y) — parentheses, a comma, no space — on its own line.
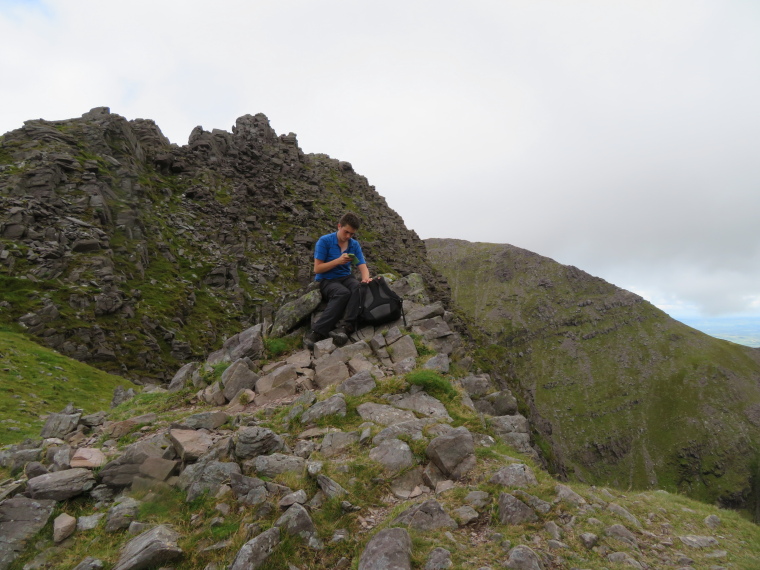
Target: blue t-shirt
(327,249)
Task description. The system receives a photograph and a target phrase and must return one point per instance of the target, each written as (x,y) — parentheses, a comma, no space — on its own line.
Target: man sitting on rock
(334,256)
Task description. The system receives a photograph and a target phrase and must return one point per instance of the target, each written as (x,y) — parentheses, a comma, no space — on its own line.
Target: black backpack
(379,304)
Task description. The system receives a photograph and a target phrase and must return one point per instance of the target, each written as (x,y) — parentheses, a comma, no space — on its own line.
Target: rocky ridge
(132,254)
(387,452)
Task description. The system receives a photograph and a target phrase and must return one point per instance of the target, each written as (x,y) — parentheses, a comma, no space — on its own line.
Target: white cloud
(620,137)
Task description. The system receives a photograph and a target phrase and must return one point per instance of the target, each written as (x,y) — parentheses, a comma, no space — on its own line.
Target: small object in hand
(354,261)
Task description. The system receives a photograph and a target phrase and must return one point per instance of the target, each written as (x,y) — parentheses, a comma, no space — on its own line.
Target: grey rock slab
(282,379)
(122,514)
(620,511)
(522,557)
(358,384)
(296,521)
(624,558)
(64,526)
(205,420)
(694,541)
(401,349)
(383,415)
(538,505)
(292,313)
(566,494)
(453,452)
(589,540)
(408,485)
(478,499)
(330,487)
(90,563)
(405,366)
(411,428)
(422,403)
(439,363)
(255,552)
(61,485)
(89,522)
(190,444)
(157,468)
(466,515)
(438,559)
(477,386)
(182,376)
(513,511)
(429,515)
(237,377)
(622,533)
(503,403)
(393,454)
(514,475)
(277,463)
(426,312)
(389,549)
(209,476)
(249,343)
(151,548)
(335,443)
(299,497)
(60,425)
(20,519)
(335,405)
(712,521)
(329,373)
(252,441)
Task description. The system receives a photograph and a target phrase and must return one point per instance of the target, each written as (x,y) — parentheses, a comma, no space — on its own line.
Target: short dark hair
(350,219)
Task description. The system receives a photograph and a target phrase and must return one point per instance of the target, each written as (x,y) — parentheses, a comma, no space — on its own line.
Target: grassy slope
(620,392)
(35,381)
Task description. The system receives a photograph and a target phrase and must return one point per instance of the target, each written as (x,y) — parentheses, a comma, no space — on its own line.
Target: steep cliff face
(120,249)
(616,390)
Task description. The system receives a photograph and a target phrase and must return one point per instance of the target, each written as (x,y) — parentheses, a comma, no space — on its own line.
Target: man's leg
(337,296)
(351,312)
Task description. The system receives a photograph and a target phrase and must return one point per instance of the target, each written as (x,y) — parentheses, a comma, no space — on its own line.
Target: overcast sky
(622,137)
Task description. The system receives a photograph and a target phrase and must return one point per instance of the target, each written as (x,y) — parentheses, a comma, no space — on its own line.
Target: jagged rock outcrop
(141,248)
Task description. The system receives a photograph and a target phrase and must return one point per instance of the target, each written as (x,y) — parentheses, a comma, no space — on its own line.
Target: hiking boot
(312,338)
(339,337)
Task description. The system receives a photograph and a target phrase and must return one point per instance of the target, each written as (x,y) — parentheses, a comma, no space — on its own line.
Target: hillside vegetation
(617,392)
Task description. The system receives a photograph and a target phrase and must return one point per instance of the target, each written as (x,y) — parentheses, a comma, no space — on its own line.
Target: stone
(620,511)
(21,519)
(514,475)
(297,522)
(64,526)
(383,415)
(89,522)
(248,490)
(694,541)
(402,349)
(478,499)
(438,559)
(122,514)
(88,458)
(553,529)
(439,363)
(477,386)
(292,313)
(502,403)
(358,384)
(323,348)
(60,425)
(182,376)
(249,343)
(405,366)
(330,487)
(535,503)
(238,377)
(200,478)
(331,372)
(466,515)
(119,429)
(426,516)
(712,521)
(299,497)
(411,428)
(453,452)
(623,558)
(252,441)
(589,540)
(33,469)
(566,494)
(205,420)
(121,471)
(151,548)
(521,557)
(513,511)
(90,563)
(393,454)
(255,552)
(389,549)
(335,405)
(335,443)
(277,463)
(408,485)
(283,378)
(621,533)
(61,485)
(190,444)
(214,394)
(421,403)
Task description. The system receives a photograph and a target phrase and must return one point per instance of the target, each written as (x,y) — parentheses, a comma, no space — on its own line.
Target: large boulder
(383,415)
(255,552)
(393,454)
(20,519)
(513,511)
(426,516)
(237,377)
(252,441)
(199,478)
(150,549)
(292,313)
(514,475)
(61,485)
(453,452)
(335,405)
(389,549)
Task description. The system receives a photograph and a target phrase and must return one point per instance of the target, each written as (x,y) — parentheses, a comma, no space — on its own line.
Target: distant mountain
(122,250)
(616,390)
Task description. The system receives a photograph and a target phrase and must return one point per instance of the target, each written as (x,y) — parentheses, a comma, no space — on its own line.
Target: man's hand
(343,259)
